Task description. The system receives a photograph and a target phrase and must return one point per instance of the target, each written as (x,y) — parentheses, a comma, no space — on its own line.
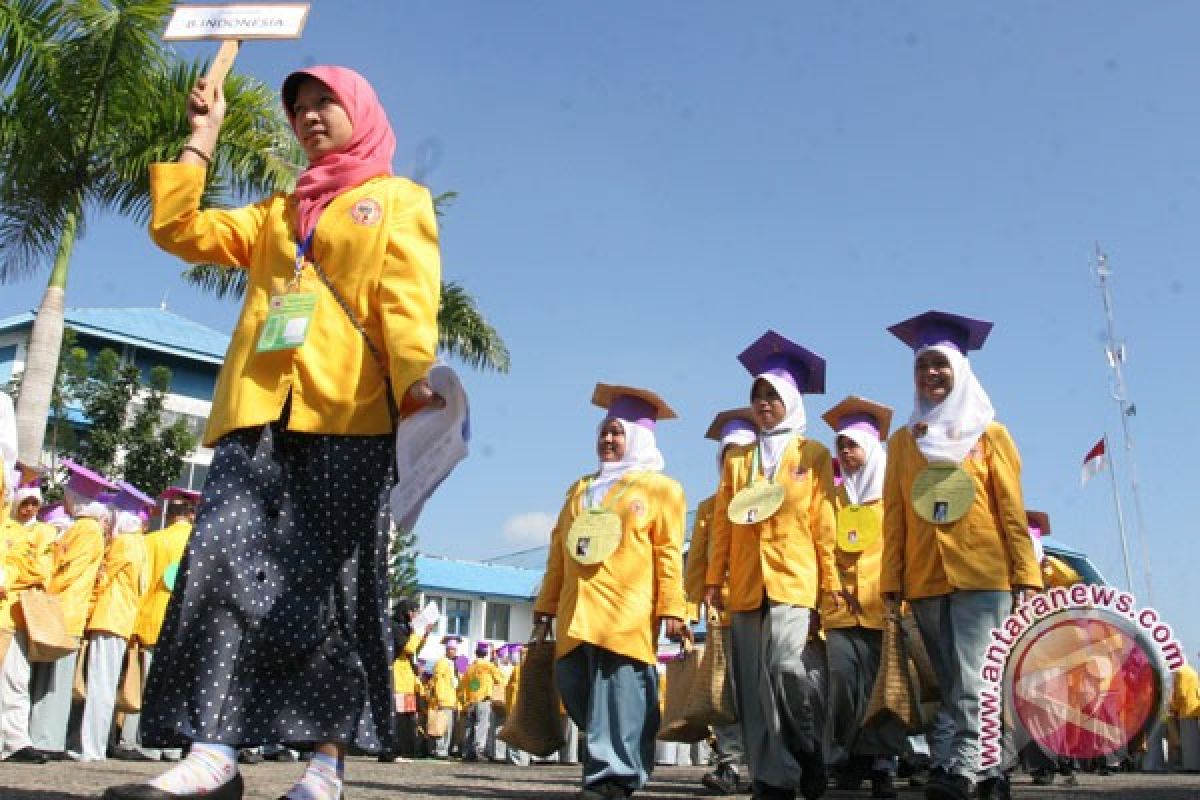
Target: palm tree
(463,330)
(91,97)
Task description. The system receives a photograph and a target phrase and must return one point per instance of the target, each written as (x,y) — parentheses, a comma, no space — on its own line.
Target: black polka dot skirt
(277,627)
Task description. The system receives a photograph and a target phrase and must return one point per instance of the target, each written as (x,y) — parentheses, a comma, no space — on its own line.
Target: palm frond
(219,281)
(26,29)
(464,333)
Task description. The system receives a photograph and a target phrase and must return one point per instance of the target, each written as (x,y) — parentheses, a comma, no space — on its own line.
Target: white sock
(206,768)
(322,780)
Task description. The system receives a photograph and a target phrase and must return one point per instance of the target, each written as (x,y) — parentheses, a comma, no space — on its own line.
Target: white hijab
(641,455)
(774,442)
(954,425)
(734,438)
(865,485)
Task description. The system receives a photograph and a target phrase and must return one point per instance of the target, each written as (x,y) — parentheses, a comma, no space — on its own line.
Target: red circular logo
(1084,684)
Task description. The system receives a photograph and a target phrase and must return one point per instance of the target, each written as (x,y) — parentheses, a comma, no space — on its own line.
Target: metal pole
(1112,472)
(1116,358)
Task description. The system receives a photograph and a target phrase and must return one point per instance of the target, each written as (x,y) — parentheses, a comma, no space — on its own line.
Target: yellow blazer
(76,562)
(163,548)
(118,593)
(1185,695)
(615,604)
(24,568)
(384,263)
(859,574)
(988,549)
(1056,572)
(696,563)
(479,679)
(512,688)
(788,556)
(443,689)
(404,681)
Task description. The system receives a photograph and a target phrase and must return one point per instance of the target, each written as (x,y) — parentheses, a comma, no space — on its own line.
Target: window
(496,624)
(458,616)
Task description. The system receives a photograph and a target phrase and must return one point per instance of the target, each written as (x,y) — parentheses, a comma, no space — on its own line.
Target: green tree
(402,575)
(90,97)
(104,392)
(155,453)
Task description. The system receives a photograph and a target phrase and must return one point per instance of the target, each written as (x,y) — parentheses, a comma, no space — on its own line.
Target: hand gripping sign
(231,23)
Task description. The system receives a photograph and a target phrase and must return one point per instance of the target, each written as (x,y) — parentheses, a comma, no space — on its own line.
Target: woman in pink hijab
(277,628)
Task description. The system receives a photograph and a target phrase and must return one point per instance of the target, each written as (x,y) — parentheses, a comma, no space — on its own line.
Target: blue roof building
(148,338)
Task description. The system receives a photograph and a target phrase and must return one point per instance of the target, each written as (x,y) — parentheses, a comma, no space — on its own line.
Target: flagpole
(1116,360)
(1112,473)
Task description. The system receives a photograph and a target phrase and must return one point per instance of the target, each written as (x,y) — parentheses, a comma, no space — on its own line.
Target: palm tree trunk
(41,359)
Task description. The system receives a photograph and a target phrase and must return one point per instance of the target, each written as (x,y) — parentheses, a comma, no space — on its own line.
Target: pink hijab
(368,155)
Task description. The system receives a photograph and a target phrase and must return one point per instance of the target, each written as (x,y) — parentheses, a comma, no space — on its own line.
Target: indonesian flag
(1094,461)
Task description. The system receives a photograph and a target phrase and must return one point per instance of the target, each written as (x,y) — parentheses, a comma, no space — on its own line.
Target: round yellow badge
(594,536)
(943,493)
(756,502)
(858,527)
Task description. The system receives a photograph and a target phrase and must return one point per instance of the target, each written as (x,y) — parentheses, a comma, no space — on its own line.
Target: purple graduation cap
(482,649)
(132,499)
(176,493)
(941,327)
(639,406)
(85,482)
(1038,522)
(859,413)
(774,355)
(731,421)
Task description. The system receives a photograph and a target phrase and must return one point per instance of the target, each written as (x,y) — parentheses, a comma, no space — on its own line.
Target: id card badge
(287,322)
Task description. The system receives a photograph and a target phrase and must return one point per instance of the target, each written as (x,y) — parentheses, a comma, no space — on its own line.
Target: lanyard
(302,250)
(588,488)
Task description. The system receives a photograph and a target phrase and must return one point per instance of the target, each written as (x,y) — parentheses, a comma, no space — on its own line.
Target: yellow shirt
(1185,697)
(696,563)
(512,688)
(789,555)
(987,549)
(1056,572)
(118,593)
(403,679)
(443,689)
(163,549)
(385,265)
(479,679)
(24,568)
(76,562)
(616,604)
(859,575)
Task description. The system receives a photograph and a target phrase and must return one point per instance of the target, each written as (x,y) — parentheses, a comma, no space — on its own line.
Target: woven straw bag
(533,723)
(711,700)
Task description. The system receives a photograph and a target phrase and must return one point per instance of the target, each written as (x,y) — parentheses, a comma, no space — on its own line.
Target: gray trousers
(956,628)
(773,691)
(14,696)
(50,690)
(106,655)
(614,699)
(854,655)
(479,725)
(447,739)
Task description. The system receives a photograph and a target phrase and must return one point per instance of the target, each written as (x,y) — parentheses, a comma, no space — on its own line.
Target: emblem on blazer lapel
(366,211)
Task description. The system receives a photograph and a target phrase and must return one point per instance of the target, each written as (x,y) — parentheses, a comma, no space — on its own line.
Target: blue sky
(645,188)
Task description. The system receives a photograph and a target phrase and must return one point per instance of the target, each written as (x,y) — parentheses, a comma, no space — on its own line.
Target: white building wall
(520,620)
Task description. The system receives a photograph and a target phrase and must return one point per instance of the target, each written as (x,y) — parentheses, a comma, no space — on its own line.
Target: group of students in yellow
(110,578)
(929,522)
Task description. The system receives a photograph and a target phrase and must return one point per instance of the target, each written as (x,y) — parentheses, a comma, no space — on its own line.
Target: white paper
(429,616)
(429,444)
(237,21)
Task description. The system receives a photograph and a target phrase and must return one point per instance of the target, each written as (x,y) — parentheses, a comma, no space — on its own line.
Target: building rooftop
(476,577)
(149,328)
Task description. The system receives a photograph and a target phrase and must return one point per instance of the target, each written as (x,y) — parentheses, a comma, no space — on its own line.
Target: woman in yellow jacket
(854,632)
(613,578)
(280,609)
(734,427)
(956,544)
(773,541)
(116,598)
(77,558)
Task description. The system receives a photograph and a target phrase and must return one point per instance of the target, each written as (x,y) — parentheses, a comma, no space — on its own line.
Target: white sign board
(238,21)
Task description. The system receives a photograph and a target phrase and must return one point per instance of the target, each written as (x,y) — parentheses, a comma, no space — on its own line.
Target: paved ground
(430,780)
